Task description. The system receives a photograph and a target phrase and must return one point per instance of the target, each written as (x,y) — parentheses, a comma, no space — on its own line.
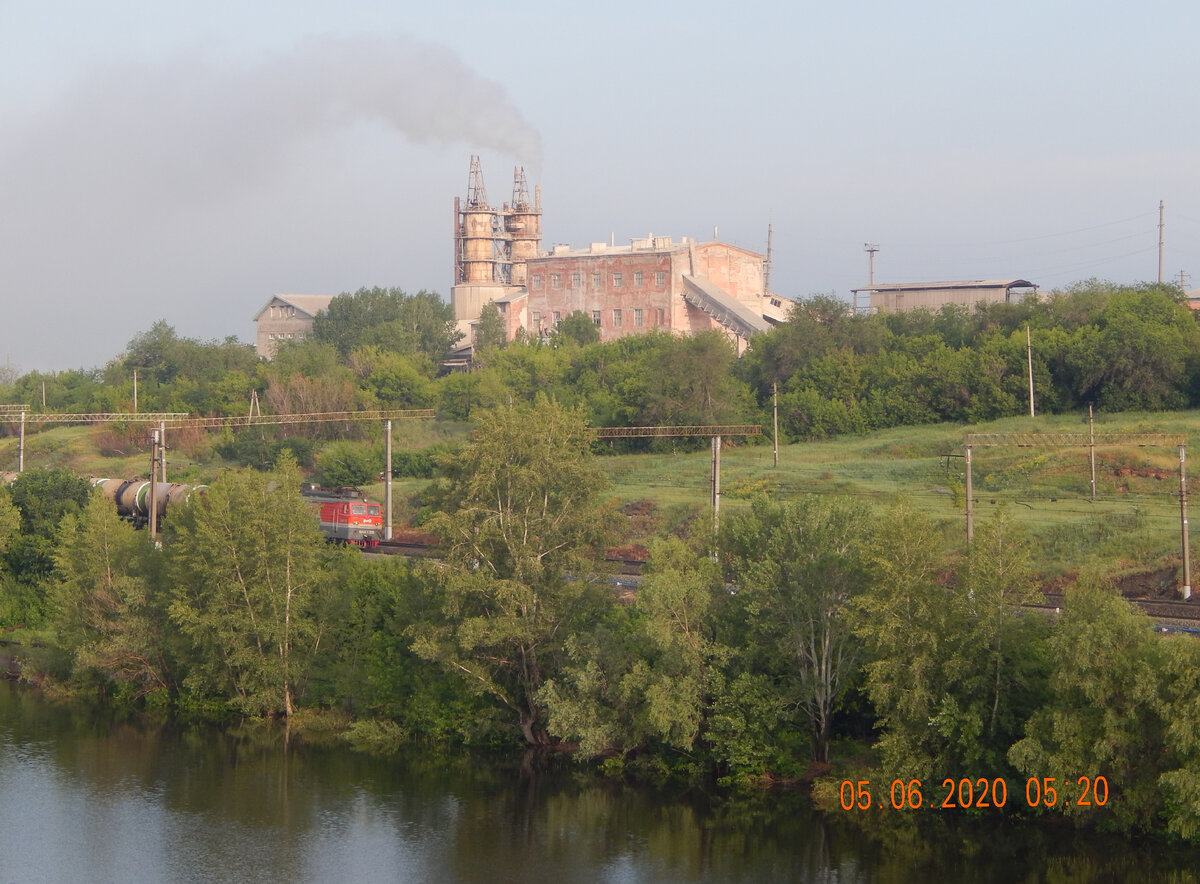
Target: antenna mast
(1160,239)
(767,263)
(871,248)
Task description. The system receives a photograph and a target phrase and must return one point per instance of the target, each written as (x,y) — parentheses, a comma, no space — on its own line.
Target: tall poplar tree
(798,565)
(522,528)
(246,560)
(103,604)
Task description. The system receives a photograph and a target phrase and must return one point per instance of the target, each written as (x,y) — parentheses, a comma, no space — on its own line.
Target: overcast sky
(186,160)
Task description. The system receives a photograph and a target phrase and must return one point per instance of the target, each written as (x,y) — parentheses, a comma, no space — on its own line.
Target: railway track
(625,567)
(1166,613)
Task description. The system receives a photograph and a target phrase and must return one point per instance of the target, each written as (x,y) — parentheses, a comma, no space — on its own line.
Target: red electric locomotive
(346,514)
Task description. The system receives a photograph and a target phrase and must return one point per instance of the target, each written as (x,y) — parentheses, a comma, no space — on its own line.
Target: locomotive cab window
(374,510)
(359,509)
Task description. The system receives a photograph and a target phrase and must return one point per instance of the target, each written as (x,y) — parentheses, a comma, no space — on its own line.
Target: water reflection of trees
(246,802)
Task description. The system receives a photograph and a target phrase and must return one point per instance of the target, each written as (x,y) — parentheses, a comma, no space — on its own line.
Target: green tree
(43,498)
(797,566)
(105,608)
(10,521)
(1104,715)
(579,327)
(395,380)
(350,464)
(644,676)
(522,528)
(1180,782)
(489,330)
(687,380)
(914,640)
(182,374)
(246,561)
(999,581)
(388,318)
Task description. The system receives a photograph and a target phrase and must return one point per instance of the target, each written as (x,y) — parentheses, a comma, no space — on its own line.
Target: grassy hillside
(1133,525)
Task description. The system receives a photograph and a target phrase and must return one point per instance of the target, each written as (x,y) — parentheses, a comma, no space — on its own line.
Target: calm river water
(89,798)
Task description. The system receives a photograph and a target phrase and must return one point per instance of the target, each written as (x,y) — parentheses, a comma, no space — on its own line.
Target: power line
(1005,242)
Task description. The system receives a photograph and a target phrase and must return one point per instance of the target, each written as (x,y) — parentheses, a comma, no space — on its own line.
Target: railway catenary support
(713,432)
(1090,440)
(1183,525)
(7,412)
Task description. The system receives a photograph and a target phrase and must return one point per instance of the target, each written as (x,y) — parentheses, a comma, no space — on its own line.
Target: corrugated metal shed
(892,297)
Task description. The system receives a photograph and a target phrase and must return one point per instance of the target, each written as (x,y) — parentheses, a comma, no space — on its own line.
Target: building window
(537,319)
(637,277)
(662,319)
(576,279)
(596,316)
(537,280)
(557,317)
(597,279)
(660,277)
(617,318)
(555,280)
(616,280)
(637,317)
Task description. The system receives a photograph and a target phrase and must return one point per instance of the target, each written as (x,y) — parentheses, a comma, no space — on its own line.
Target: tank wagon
(132,496)
(346,514)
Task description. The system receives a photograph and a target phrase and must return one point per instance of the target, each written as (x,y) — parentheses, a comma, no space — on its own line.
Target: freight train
(345,514)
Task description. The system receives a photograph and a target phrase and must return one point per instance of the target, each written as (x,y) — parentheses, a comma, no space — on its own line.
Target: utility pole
(162,452)
(153,526)
(1183,524)
(716,481)
(135,408)
(970,494)
(775,419)
(1029,357)
(21,446)
(387,482)
(1092,447)
(1160,239)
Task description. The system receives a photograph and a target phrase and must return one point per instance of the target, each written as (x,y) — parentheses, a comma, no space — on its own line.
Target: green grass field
(1133,524)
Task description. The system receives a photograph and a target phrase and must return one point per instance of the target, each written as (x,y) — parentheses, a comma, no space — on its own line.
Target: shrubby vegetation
(1119,348)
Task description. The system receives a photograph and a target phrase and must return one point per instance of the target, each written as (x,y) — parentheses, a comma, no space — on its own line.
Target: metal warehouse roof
(933,286)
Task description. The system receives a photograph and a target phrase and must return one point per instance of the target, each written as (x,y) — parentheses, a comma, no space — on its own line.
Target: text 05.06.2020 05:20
(968,792)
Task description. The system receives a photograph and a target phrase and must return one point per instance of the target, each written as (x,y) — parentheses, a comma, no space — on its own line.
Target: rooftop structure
(894,297)
(286,318)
